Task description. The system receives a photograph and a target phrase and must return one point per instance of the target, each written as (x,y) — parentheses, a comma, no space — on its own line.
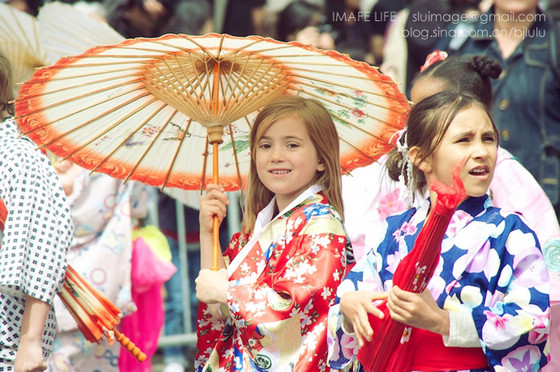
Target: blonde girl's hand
(418,310)
(211,286)
(213,203)
(355,307)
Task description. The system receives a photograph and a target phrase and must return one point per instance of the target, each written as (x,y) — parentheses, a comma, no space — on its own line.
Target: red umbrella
(95,314)
(383,352)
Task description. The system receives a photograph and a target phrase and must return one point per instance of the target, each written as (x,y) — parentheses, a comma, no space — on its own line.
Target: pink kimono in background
(277,320)
(143,326)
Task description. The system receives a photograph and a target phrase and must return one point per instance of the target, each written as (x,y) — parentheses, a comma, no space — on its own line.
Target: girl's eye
(264,146)
(489,138)
(464,139)
(293,145)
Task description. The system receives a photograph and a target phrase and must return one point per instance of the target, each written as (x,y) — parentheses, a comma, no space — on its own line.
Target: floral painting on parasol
(151,109)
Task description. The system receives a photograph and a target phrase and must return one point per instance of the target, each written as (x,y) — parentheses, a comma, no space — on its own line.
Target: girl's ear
(425,165)
(320,167)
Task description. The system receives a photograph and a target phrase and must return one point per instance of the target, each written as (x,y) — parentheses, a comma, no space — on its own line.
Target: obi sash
(428,353)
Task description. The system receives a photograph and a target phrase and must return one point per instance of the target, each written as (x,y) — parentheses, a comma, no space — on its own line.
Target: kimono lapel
(472,209)
(263,234)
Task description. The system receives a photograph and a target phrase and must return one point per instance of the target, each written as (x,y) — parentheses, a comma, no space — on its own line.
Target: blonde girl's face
(471,141)
(286,159)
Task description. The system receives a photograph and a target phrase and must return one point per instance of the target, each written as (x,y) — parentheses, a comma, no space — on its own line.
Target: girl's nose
(480,149)
(277,153)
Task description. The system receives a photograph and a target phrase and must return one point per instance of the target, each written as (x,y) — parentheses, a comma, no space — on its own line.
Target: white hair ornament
(405,164)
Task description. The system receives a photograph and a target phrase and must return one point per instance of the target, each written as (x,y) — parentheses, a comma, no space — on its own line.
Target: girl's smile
(286,159)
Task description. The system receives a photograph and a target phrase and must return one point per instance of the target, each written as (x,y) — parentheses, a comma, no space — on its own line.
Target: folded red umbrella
(95,314)
(387,349)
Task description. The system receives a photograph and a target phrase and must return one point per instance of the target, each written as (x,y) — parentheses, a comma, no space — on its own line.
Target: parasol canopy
(387,350)
(20,42)
(144,109)
(64,31)
(153,110)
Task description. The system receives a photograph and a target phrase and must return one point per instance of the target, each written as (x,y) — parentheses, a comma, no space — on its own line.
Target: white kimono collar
(264,218)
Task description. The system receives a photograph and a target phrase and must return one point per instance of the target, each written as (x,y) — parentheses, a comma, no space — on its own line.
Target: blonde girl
(268,309)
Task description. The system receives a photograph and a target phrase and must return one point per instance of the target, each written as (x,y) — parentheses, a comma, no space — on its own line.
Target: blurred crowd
(397,36)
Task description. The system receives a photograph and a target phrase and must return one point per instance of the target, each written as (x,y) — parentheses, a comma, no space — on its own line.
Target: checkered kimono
(37,232)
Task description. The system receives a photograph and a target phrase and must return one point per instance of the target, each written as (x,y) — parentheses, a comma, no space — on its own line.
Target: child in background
(104,212)
(304,22)
(489,293)
(36,233)
(284,266)
(370,195)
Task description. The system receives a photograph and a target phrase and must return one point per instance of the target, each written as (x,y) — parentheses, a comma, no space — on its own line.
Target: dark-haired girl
(370,195)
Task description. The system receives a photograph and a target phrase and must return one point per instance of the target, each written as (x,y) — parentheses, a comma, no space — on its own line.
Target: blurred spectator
(139,18)
(382,14)
(351,29)
(415,32)
(304,22)
(239,17)
(419,33)
(526,105)
(151,267)
(191,17)
(28,6)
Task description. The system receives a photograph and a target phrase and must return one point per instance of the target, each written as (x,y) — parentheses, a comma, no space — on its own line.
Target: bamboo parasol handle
(215,138)
(129,346)
(215,222)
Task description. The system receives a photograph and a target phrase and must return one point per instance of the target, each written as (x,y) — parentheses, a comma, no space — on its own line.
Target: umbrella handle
(215,244)
(129,346)
(215,222)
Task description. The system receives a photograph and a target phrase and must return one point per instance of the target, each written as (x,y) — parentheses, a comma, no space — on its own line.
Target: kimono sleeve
(38,228)
(208,328)
(514,188)
(514,321)
(343,346)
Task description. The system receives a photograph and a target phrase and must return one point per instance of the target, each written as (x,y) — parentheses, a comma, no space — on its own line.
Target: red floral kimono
(279,292)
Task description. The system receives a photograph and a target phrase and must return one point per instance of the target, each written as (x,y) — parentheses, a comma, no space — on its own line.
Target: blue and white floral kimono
(491,265)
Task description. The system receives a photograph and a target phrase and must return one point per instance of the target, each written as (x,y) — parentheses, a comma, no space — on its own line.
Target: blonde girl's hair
(6,86)
(428,121)
(323,134)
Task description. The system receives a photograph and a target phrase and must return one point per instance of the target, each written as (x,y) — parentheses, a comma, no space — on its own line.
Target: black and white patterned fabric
(37,233)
